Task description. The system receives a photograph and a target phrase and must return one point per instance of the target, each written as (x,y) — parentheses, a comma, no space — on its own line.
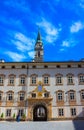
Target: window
(58,66)
(79,66)
(58,79)
(8,113)
(1,95)
(33,79)
(21,96)
(34,66)
(60,95)
(45,66)
(13,67)
(2,79)
(82,94)
(81,79)
(46,94)
(46,79)
(61,112)
(23,66)
(10,96)
(21,112)
(69,79)
(73,111)
(3,67)
(33,95)
(72,95)
(11,80)
(69,66)
(22,79)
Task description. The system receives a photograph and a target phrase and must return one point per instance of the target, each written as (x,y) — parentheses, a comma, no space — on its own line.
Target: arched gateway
(40,113)
(39,104)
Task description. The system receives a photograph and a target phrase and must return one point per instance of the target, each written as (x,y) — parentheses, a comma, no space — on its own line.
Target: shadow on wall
(78,122)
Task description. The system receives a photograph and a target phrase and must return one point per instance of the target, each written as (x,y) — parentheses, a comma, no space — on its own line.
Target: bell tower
(38,49)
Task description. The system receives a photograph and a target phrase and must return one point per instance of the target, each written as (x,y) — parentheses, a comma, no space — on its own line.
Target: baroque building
(41,90)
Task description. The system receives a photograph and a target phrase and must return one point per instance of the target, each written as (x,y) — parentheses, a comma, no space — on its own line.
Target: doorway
(40,113)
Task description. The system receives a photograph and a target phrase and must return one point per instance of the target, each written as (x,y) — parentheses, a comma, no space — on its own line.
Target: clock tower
(39,51)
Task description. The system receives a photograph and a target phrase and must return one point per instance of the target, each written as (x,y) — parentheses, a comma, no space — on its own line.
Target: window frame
(61,112)
(33,80)
(21,96)
(73,112)
(82,96)
(22,80)
(46,79)
(81,81)
(21,112)
(70,79)
(1,96)
(59,79)
(2,79)
(10,96)
(11,82)
(61,99)
(8,112)
(72,98)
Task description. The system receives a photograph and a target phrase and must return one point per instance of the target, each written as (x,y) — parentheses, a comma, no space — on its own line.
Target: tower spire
(39,39)
(38,48)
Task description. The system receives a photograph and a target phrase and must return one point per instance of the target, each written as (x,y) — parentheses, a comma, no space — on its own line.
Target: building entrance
(40,113)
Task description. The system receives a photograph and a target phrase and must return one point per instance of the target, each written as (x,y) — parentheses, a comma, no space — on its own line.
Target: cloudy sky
(61,24)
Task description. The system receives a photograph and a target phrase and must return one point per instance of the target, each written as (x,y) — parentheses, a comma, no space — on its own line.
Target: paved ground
(52,125)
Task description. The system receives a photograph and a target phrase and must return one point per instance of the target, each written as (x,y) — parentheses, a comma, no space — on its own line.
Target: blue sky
(61,24)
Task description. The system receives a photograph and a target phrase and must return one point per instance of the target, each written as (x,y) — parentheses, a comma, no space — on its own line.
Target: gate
(39,113)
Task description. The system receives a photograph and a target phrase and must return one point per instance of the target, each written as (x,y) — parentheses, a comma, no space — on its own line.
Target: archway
(40,113)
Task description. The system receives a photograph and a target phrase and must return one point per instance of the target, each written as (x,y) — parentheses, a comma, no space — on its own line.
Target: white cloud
(22,42)
(65,44)
(77,26)
(51,31)
(15,56)
(68,44)
(31,54)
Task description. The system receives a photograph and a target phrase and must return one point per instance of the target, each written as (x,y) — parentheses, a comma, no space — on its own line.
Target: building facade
(42,91)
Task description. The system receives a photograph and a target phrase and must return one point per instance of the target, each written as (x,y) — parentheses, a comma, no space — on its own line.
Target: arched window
(1,95)
(33,79)
(11,81)
(60,95)
(70,79)
(10,96)
(72,95)
(22,80)
(21,95)
(46,79)
(81,79)
(2,77)
(82,95)
(59,80)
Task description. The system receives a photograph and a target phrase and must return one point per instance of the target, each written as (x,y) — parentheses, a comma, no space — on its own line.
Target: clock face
(39,88)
